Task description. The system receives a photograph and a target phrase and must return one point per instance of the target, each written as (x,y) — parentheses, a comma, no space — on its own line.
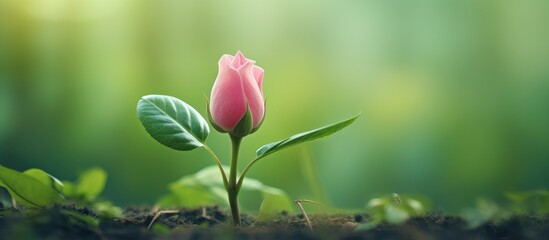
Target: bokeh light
(454,95)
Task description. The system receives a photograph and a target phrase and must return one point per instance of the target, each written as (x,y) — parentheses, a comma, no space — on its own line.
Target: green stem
(223,174)
(233,189)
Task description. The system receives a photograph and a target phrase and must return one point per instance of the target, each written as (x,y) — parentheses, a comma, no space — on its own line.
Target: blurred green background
(454,94)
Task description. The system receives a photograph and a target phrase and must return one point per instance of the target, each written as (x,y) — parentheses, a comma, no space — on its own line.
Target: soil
(215,223)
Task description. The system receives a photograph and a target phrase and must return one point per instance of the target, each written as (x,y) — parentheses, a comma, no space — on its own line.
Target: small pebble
(349,225)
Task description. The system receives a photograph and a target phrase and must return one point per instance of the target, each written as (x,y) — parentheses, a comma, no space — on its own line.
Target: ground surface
(213,223)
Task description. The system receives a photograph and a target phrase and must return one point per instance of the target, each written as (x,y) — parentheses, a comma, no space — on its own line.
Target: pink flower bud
(236,88)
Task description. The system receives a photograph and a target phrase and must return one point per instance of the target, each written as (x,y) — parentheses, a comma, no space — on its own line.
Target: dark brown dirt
(214,223)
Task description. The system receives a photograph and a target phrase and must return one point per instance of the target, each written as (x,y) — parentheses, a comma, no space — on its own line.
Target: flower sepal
(245,126)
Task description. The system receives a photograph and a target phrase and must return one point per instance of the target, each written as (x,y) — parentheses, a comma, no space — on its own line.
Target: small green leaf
(197,196)
(27,190)
(302,138)
(206,187)
(393,209)
(274,202)
(395,214)
(172,122)
(485,211)
(518,197)
(45,178)
(90,184)
(160,228)
(529,201)
(107,209)
(91,221)
(68,189)
(370,224)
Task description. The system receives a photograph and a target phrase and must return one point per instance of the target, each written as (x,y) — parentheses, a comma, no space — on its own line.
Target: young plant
(205,187)
(236,107)
(35,188)
(534,202)
(393,209)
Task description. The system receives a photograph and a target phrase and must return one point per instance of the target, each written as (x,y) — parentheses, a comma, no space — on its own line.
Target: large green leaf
(27,190)
(303,137)
(206,187)
(172,122)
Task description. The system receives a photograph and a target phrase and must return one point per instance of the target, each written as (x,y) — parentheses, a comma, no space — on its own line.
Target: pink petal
(238,60)
(252,92)
(228,101)
(258,75)
(225,60)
